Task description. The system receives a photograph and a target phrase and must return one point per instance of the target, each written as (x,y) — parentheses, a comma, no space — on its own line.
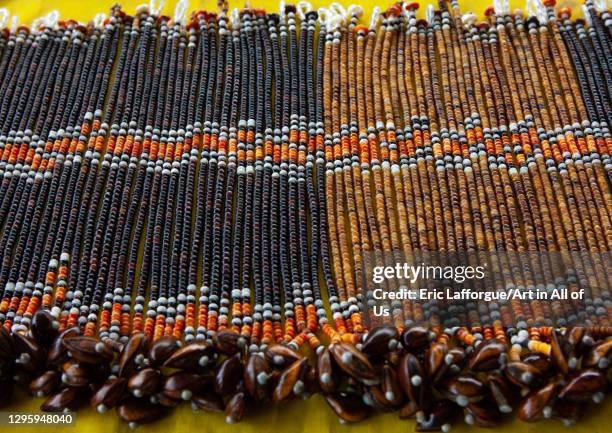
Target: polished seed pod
(229,342)
(408,410)
(44,327)
(256,375)
(560,352)
(348,406)
(464,389)
(137,411)
(145,382)
(374,396)
(568,411)
(538,403)
(162,399)
(58,352)
(162,349)
(415,338)
(455,359)
(390,387)
(75,374)
(69,398)
(439,418)
(195,355)
(290,382)
(208,401)
(235,408)
(380,340)
(487,356)
(541,362)
(311,382)
(524,375)
(585,385)
(435,365)
(228,375)
(503,392)
(412,379)
(599,356)
(354,363)
(135,347)
(182,385)
(30,355)
(45,384)
(108,394)
(279,355)
(575,338)
(326,371)
(482,414)
(88,350)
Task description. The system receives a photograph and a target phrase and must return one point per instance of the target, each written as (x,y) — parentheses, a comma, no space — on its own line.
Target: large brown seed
(139,411)
(162,349)
(136,345)
(30,354)
(290,381)
(541,362)
(181,385)
(208,401)
(380,340)
(503,392)
(162,399)
(57,352)
(374,397)
(412,379)
(435,365)
(416,338)
(568,411)
(487,356)
(196,355)
(524,375)
(439,417)
(44,327)
(482,414)
(599,356)
(228,375)
(538,403)
(464,389)
(354,363)
(45,384)
(108,395)
(235,408)
(229,342)
(279,355)
(326,372)
(390,387)
(145,382)
(560,352)
(408,410)
(348,406)
(69,398)
(75,374)
(585,385)
(88,349)
(256,375)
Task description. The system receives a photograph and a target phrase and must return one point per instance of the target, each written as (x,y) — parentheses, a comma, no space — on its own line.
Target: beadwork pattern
(186,204)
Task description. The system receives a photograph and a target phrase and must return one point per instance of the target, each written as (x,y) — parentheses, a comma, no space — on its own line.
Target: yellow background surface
(310,416)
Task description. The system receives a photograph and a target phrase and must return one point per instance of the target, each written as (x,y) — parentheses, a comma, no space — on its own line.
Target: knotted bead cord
(251,154)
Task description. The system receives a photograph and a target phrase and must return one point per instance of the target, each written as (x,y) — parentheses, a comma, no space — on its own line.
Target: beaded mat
(312,415)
